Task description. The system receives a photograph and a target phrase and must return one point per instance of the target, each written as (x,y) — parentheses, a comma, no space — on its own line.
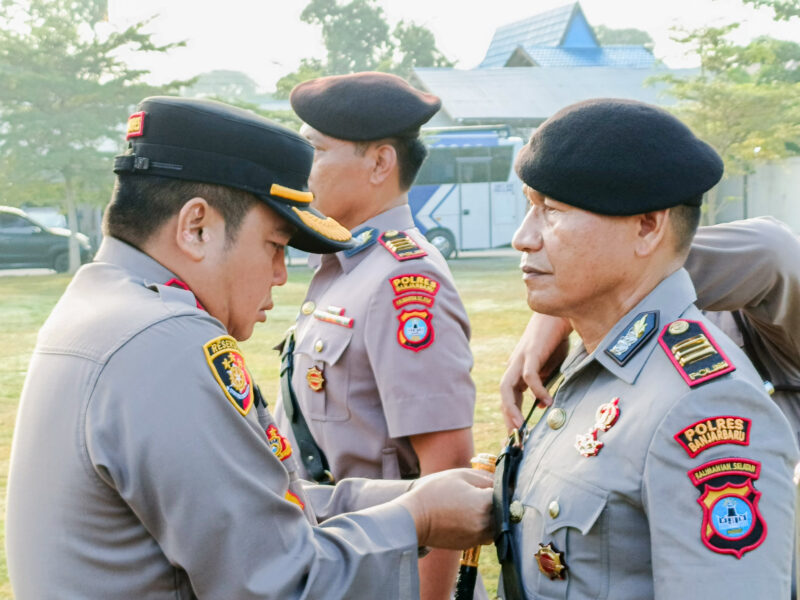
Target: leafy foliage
(782,9)
(357,38)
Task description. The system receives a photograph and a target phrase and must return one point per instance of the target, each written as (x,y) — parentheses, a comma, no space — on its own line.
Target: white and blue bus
(466,195)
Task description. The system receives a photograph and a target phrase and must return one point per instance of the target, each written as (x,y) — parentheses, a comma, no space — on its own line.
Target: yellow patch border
(229,346)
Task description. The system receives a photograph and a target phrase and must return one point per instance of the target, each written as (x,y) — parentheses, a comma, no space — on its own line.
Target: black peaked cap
(618,157)
(210,142)
(363,106)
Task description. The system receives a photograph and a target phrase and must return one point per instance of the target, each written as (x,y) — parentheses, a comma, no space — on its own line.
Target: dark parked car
(26,243)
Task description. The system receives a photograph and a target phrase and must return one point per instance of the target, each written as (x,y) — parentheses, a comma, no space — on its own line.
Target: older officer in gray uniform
(662,468)
(144,462)
(379,384)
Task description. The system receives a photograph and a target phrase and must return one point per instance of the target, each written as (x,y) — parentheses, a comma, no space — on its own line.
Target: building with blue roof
(561,37)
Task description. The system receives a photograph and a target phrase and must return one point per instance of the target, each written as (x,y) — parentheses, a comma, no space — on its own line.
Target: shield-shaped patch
(227,365)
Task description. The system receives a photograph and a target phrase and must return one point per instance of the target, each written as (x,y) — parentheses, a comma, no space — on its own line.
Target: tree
(64,99)
(225,84)
(357,38)
(635,37)
(783,10)
(745,101)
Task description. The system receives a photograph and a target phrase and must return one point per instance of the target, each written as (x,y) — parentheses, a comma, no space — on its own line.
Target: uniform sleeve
(201,478)
(354,493)
(753,266)
(417,342)
(719,496)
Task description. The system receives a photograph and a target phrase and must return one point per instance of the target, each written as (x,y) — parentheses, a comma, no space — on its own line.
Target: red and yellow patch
(227,364)
(714,431)
(279,445)
(693,352)
(291,497)
(400,245)
(315,379)
(414,282)
(135,125)
(415,331)
(732,523)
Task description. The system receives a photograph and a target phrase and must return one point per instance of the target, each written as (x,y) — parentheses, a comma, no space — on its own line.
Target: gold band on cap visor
(290,194)
(328,227)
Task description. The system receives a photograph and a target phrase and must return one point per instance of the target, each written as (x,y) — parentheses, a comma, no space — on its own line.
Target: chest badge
(605,418)
(315,379)
(551,561)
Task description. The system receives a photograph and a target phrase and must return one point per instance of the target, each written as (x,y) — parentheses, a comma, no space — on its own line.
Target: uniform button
(308,307)
(319,345)
(556,418)
(516,511)
(553,508)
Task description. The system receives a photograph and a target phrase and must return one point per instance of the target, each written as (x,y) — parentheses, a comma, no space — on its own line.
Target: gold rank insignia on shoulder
(693,352)
(400,245)
(227,365)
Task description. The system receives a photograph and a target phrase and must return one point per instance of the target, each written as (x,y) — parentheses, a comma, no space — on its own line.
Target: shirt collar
(115,251)
(669,300)
(398,218)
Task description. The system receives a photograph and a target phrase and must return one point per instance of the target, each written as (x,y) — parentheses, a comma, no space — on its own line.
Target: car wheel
(61,262)
(443,241)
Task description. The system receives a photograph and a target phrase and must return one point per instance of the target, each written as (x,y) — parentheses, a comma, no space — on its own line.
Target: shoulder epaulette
(693,352)
(364,238)
(400,245)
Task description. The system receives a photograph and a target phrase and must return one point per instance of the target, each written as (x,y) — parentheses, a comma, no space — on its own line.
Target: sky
(266,38)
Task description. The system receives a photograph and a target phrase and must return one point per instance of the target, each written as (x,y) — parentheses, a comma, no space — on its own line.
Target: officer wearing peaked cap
(145,463)
(662,467)
(377,371)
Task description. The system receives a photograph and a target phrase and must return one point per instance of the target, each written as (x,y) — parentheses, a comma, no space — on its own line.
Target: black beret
(618,157)
(363,106)
(210,142)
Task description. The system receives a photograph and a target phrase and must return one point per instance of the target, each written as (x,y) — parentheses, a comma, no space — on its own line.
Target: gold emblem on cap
(678,327)
(308,307)
(516,511)
(551,561)
(290,194)
(327,227)
(556,418)
(315,379)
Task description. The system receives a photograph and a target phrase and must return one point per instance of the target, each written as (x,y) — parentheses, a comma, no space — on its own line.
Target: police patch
(693,352)
(365,238)
(714,431)
(634,337)
(227,364)
(732,523)
(415,331)
(400,245)
(279,445)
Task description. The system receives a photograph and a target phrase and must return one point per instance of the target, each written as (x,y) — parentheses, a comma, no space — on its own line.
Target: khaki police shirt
(637,520)
(376,391)
(134,474)
(754,266)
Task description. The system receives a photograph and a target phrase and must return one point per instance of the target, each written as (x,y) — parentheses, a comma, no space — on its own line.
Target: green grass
(490,288)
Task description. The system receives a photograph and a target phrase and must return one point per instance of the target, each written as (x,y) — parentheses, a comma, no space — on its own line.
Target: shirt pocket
(571,516)
(322,348)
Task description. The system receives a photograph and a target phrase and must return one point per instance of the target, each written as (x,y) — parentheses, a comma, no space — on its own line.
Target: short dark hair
(684,219)
(141,204)
(411,153)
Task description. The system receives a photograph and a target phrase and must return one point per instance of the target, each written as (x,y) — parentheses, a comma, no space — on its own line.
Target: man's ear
(385,160)
(198,226)
(652,230)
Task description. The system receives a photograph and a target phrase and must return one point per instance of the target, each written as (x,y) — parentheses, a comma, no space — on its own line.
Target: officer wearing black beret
(662,468)
(382,323)
(145,463)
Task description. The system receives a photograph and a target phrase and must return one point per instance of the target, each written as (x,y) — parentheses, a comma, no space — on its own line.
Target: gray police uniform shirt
(363,382)
(753,266)
(141,469)
(678,490)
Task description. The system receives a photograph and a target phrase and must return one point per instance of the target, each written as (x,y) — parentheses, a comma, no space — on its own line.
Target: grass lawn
(490,288)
